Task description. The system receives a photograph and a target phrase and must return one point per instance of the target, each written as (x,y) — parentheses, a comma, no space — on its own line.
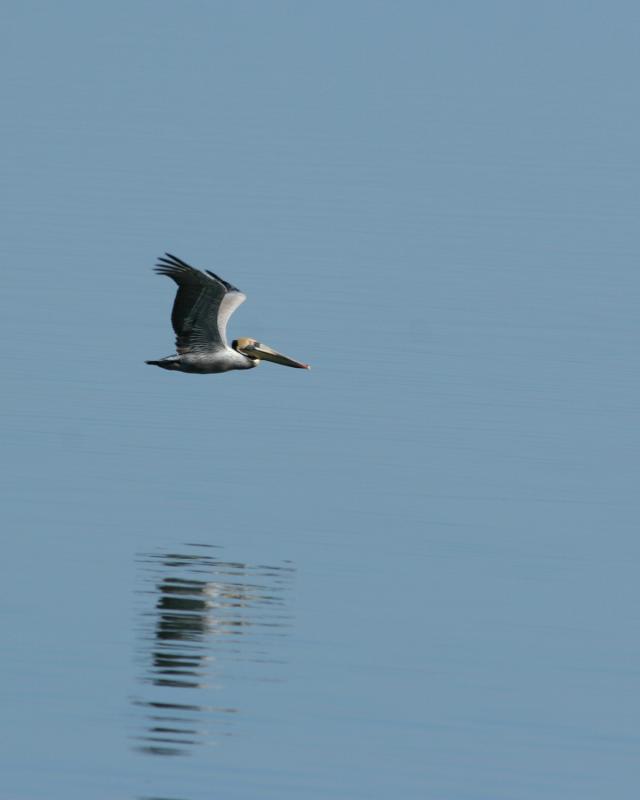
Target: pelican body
(204,302)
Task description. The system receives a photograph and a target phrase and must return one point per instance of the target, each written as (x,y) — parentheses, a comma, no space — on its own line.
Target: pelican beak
(265,353)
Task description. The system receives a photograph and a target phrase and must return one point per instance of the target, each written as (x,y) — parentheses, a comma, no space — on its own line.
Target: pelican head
(258,352)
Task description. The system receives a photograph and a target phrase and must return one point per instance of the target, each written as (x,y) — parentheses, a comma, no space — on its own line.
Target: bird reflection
(206,617)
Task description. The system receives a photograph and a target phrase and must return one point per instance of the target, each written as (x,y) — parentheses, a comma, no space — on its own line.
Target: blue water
(410,572)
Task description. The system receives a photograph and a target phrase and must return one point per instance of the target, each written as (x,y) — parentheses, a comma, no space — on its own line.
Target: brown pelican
(204,302)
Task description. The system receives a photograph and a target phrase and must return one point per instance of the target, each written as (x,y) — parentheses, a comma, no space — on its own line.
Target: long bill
(266,353)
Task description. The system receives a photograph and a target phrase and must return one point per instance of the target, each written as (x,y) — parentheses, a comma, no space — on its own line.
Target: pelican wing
(204,302)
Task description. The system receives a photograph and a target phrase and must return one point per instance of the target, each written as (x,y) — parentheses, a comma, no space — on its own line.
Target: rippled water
(409,572)
(202,621)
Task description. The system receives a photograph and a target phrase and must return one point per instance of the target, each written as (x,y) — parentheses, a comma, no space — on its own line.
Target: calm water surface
(412,571)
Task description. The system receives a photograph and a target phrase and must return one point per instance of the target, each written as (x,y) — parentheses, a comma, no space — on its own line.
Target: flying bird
(204,302)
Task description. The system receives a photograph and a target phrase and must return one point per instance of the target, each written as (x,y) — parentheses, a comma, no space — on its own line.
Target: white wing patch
(228,305)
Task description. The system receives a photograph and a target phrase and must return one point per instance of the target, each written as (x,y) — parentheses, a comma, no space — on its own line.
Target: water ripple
(200,620)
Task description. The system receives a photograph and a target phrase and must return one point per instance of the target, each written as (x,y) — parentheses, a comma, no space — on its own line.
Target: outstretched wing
(204,302)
